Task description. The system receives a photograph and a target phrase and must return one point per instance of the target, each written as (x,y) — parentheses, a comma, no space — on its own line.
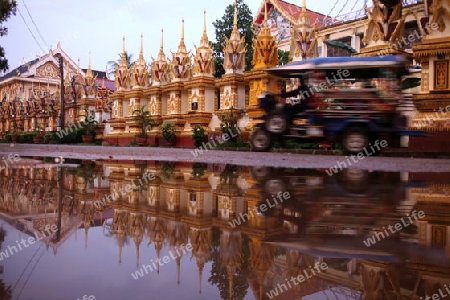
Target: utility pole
(61,75)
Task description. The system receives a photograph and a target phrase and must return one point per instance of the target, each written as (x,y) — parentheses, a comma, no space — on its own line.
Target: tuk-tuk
(350,100)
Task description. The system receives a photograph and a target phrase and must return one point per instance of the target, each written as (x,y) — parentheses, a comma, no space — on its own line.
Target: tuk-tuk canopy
(360,66)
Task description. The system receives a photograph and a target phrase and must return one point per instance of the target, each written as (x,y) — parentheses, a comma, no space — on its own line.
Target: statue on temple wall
(89,87)
(76,87)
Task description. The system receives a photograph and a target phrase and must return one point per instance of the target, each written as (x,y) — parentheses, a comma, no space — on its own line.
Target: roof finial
(141,47)
(235,16)
(304,6)
(204,21)
(123,45)
(89,60)
(162,39)
(265,13)
(182,30)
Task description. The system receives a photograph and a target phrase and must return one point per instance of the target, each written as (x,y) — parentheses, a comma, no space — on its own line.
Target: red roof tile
(289,11)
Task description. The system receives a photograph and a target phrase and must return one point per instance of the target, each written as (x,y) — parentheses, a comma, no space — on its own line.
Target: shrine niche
(441,74)
(196,102)
(173,106)
(153,108)
(48,70)
(226,100)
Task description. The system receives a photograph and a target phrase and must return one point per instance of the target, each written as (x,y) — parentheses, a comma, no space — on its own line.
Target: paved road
(231,157)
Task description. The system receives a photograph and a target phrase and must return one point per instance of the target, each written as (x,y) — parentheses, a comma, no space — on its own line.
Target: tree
(113,65)
(7,8)
(283,57)
(224,27)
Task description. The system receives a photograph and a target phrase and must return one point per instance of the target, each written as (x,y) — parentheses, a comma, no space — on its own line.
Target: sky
(97,27)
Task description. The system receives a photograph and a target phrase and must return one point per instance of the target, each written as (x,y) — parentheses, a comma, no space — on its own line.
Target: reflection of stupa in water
(195,204)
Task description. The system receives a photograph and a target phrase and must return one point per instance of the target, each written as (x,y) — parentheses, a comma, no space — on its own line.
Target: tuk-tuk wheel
(276,123)
(355,140)
(261,140)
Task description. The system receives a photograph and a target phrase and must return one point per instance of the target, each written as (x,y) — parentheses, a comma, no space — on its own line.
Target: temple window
(194,105)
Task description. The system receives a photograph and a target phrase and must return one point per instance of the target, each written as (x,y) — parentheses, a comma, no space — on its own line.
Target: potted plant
(14,136)
(198,170)
(198,135)
(38,131)
(168,131)
(144,121)
(90,127)
(167,172)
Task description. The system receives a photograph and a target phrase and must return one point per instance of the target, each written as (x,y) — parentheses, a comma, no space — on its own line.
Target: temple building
(181,89)
(31,94)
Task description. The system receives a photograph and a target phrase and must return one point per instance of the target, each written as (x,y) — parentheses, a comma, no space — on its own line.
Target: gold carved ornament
(441,75)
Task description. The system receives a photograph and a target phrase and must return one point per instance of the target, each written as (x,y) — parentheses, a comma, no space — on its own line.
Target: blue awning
(295,69)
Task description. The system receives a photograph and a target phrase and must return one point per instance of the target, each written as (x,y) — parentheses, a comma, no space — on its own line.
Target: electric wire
(345,4)
(37,29)
(31,259)
(331,10)
(34,37)
(31,273)
(354,5)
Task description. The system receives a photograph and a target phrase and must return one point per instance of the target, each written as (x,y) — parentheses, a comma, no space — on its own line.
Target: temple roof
(19,70)
(98,74)
(290,11)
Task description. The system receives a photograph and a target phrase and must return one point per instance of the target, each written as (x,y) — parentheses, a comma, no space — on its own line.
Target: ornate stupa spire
(265,47)
(120,242)
(123,58)
(89,71)
(122,75)
(159,70)
(303,38)
(204,60)
(78,67)
(201,241)
(157,232)
(180,65)
(204,40)
(234,49)
(89,80)
(178,269)
(140,74)
(384,29)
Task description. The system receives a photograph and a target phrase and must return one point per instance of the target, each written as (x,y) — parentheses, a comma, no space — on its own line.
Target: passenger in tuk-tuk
(298,106)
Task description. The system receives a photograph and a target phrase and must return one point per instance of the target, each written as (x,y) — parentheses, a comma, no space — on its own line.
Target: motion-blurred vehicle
(350,100)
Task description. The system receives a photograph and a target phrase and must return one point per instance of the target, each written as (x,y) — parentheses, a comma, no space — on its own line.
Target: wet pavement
(273,159)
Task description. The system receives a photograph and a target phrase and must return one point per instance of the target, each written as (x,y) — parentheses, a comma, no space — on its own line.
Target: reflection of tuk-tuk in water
(351,201)
(332,216)
(351,100)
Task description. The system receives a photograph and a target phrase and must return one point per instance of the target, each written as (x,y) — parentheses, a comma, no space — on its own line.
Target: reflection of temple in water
(195,203)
